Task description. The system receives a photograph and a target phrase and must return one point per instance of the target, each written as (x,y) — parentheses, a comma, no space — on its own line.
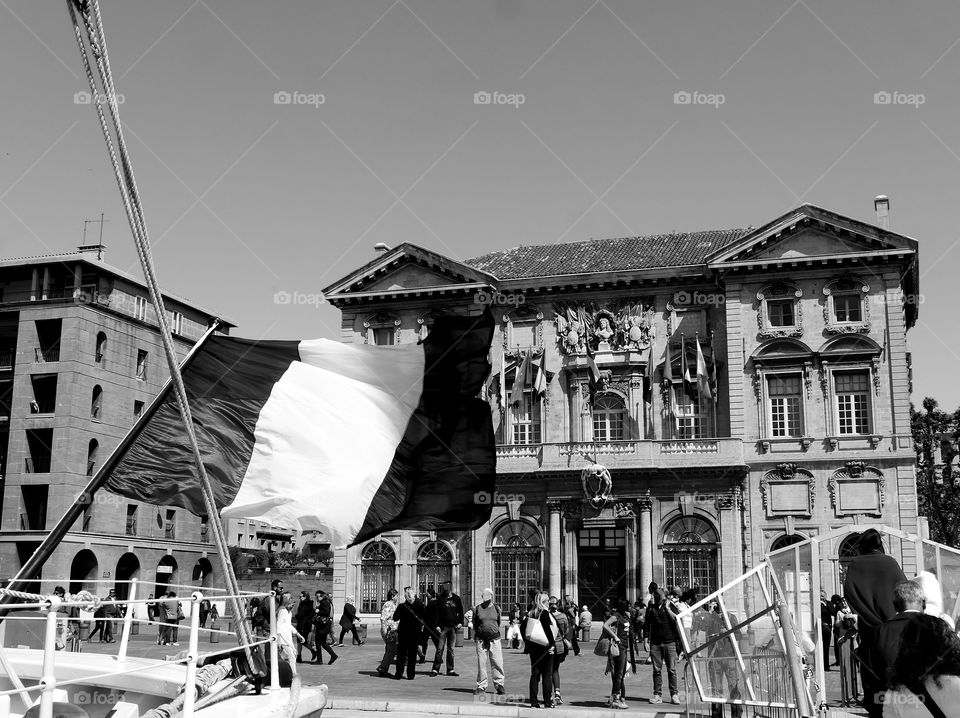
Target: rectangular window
(239,539)
(131,519)
(140,308)
(40,446)
(141,365)
(785,399)
(780,312)
(34,515)
(176,322)
(590,537)
(48,339)
(205,528)
(137,409)
(847,307)
(852,390)
(690,415)
(170,525)
(384,336)
(526,420)
(44,394)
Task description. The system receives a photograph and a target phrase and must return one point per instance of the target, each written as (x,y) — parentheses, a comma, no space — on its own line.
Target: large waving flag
(347,438)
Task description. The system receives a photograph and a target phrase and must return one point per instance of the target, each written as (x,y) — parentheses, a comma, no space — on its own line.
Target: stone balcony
(643,455)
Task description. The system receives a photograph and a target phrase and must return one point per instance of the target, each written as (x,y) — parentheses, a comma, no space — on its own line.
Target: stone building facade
(80,361)
(686,404)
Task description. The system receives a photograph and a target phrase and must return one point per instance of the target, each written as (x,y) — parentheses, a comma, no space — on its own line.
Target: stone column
(555,548)
(645,506)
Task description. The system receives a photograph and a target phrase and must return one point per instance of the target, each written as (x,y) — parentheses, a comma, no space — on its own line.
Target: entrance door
(601,576)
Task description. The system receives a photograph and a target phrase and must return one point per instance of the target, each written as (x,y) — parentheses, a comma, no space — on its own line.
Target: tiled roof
(606,255)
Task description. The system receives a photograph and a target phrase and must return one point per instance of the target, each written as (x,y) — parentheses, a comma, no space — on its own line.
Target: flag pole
(75,510)
(714,388)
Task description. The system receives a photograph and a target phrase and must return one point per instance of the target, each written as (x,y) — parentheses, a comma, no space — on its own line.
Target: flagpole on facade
(75,510)
(714,388)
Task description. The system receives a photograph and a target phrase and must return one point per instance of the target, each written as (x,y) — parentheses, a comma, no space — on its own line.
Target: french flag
(350,439)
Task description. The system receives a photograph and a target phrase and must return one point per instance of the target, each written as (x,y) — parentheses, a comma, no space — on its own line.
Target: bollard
(586,635)
(214,636)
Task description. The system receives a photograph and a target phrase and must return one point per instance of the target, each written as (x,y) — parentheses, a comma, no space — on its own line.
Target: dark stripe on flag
(448,453)
(227,383)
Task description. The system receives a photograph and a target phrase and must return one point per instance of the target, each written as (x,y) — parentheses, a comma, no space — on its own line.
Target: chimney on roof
(881,204)
(96,249)
(381,248)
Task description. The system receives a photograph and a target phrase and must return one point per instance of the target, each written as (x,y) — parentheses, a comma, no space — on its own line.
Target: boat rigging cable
(89,12)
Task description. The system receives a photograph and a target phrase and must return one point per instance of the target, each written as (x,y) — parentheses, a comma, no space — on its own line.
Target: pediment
(409,276)
(810,233)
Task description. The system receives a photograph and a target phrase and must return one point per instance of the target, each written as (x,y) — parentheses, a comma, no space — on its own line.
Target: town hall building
(667,408)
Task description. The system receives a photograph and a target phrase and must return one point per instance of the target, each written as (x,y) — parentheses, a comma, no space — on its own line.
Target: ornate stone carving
(526,313)
(779,290)
(597,484)
(875,366)
(645,503)
(624,510)
(617,325)
(380,319)
(788,490)
(808,377)
(725,502)
(757,382)
(857,489)
(572,510)
(554,505)
(846,283)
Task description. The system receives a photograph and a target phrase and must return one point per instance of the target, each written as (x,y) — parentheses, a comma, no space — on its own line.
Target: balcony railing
(45,354)
(84,294)
(6,359)
(671,454)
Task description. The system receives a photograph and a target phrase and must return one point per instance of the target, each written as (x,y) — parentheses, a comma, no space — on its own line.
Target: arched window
(690,554)
(377,570)
(96,402)
(848,549)
(609,417)
(517,562)
(434,566)
(786,540)
(101,347)
(92,449)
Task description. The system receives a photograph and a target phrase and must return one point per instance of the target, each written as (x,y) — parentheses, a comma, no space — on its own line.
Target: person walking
(303,622)
(486,635)
(563,646)
(323,627)
(388,632)
(617,629)
(431,621)
(287,635)
(540,643)
(924,679)
(910,601)
(409,620)
(204,609)
(573,620)
(348,622)
(660,639)
(449,621)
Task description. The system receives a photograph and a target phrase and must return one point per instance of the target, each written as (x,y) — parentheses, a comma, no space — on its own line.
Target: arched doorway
(166,574)
(434,566)
(203,573)
(83,572)
(690,555)
(377,570)
(848,548)
(517,552)
(128,568)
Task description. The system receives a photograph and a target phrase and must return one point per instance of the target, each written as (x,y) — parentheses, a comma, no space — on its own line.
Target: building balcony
(667,455)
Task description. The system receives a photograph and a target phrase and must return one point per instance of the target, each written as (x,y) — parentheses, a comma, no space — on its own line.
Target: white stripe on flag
(327,435)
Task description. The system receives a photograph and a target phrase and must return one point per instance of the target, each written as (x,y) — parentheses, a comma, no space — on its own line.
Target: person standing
(573,620)
(109,617)
(910,602)
(486,635)
(563,639)
(348,622)
(449,621)
(204,609)
(286,633)
(617,627)
(660,639)
(304,624)
(513,632)
(409,620)
(539,642)
(586,621)
(323,627)
(388,632)
(431,621)
(827,614)
(924,679)
(174,616)
(161,612)
(869,590)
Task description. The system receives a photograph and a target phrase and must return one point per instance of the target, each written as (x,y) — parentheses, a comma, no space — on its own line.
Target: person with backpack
(539,636)
(486,634)
(660,640)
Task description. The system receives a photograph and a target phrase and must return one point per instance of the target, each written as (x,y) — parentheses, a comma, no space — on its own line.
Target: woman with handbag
(616,629)
(564,645)
(539,635)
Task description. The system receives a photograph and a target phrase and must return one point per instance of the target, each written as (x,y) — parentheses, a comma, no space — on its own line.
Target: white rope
(130,197)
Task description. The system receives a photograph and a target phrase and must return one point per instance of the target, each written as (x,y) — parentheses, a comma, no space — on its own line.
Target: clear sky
(246,197)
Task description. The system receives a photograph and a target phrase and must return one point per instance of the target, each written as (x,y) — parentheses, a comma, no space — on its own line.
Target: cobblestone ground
(583,683)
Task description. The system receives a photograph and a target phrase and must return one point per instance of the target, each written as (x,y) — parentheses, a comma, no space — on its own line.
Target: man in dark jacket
(868,588)
(910,601)
(304,625)
(409,618)
(660,629)
(449,621)
(323,627)
(430,623)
